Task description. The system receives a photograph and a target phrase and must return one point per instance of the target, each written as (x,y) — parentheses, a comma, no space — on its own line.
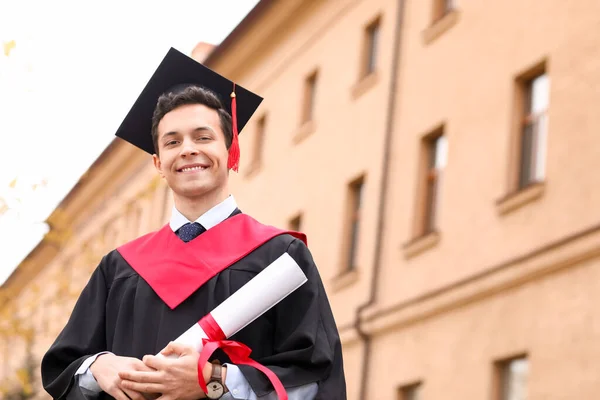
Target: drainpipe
(389,129)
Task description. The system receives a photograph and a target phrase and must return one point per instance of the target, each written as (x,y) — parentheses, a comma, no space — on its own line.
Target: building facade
(440,155)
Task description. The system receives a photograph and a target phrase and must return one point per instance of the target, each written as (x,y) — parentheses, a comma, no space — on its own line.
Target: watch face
(215,390)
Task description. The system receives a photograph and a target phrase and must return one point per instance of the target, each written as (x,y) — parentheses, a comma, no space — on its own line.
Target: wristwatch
(215,385)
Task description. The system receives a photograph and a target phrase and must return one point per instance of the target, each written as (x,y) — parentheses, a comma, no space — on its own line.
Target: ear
(157,165)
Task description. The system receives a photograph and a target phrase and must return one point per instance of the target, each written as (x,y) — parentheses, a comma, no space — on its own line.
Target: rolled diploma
(282,277)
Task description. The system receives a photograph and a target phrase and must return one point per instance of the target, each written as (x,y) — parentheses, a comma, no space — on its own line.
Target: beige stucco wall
(465,79)
(346,139)
(494,285)
(551,319)
(445,315)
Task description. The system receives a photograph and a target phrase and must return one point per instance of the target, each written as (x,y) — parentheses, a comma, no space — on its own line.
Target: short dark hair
(169,101)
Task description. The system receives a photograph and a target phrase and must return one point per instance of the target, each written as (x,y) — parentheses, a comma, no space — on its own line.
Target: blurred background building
(441,156)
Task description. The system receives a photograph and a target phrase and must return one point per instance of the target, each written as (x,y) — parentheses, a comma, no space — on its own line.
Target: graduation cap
(177,70)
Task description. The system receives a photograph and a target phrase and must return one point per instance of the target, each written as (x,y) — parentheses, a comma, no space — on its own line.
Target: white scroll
(281,278)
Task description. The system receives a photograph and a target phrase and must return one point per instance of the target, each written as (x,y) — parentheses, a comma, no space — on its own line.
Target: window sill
(520,198)
(344,280)
(304,131)
(421,244)
(366,83)
(440,26)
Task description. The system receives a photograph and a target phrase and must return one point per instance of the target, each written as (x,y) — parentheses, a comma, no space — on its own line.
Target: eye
(171,142)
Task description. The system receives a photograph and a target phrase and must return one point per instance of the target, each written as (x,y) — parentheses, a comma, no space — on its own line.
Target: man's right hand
(106,370)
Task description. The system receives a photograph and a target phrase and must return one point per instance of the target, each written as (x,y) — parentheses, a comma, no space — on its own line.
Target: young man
(146,293)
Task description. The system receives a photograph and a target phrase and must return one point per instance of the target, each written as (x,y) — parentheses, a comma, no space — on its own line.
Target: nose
(188,149)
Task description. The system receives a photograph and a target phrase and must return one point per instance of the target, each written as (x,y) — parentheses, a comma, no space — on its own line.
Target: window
(512,376)
(259,140)
(310,88)
(533,131)
(370,48)
(410,392)
(355,194)
(295,223)
(441,8)
(435,154)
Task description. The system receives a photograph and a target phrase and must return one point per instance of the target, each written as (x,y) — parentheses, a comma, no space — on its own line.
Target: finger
(177,348)
(141,376)
(140,366)
(133,395)
(142,387)
(167,350)
(118,394)
(157,363)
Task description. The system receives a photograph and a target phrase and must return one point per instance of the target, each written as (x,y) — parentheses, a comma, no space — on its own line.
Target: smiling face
(192,152)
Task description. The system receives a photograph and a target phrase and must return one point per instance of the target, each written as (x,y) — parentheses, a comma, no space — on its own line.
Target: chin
(194,191)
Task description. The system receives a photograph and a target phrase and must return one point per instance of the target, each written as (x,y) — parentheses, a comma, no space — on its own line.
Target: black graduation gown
(119,312)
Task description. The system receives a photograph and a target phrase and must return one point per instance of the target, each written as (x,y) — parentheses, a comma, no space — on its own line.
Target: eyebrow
(198,129)
(173,133)
(204,128)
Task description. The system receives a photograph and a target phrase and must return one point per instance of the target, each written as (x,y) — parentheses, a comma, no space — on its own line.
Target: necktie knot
(190,231)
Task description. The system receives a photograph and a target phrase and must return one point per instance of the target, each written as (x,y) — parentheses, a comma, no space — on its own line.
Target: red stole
(175,269)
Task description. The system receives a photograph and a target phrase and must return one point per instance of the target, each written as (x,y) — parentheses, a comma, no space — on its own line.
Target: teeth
(192,169)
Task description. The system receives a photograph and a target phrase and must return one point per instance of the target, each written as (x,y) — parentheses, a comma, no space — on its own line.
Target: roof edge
(261,7)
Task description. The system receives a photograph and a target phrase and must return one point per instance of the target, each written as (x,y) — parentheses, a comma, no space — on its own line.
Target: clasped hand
(153,377)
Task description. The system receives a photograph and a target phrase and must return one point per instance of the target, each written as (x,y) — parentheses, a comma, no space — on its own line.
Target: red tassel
(234,151)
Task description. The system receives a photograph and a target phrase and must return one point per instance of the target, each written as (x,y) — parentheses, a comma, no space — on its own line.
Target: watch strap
(217,374)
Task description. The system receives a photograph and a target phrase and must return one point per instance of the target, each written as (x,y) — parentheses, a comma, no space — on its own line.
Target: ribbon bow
(237,352)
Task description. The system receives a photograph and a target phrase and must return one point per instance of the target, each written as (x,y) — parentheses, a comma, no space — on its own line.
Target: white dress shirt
(239,388)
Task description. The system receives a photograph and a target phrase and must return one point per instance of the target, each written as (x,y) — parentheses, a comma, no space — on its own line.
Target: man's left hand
(173,378)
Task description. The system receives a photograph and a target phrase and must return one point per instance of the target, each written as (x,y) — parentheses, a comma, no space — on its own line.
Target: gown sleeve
(307,346)
(82,337)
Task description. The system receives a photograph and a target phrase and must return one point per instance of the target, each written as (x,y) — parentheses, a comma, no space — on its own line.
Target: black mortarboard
(175,70)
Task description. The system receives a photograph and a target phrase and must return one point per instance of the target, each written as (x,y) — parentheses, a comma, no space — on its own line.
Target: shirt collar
(209,219)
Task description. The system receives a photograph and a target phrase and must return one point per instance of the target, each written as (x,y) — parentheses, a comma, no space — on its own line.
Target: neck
(193,207)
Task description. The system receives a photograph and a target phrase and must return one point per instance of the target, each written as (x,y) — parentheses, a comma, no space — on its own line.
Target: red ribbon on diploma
(238,353)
